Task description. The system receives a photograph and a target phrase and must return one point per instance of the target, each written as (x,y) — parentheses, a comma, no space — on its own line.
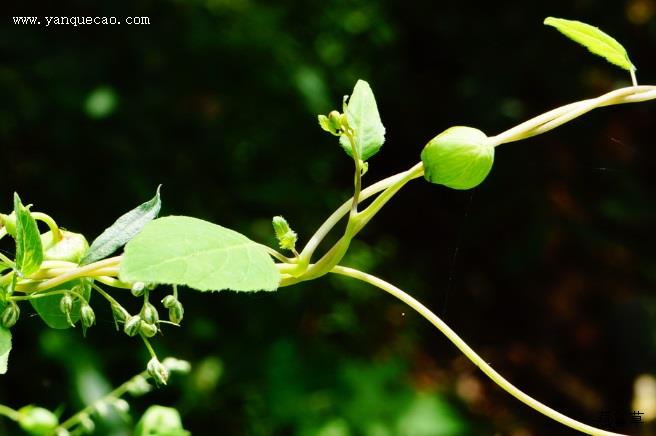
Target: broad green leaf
(160,421)
(187,251)
(5,348)
(48,307)
(29,252)
(124,229)
(362,115)
(595,40)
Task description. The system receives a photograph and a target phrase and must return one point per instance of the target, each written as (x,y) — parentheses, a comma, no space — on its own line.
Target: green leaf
(29,252)
(595,40)
(187,251)
(5,348)
(363,118)
(48,307)
(124,229)
(160,421)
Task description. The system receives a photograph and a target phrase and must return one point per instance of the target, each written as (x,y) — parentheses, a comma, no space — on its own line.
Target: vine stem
(106,267)
(10,413)
(559,116)
(470,353)
(341,211)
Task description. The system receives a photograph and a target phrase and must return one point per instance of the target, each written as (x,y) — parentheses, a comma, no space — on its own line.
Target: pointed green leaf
(595,40)
(48,307)
(29,252)
(187,251)
(5,348)
(363,118)
(124,229)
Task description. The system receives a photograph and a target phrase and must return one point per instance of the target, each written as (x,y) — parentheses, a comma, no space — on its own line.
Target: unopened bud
(176,365)
(120,405)
(176,313)
(87,425)
(132,325)
(66,306)
(148,330)
(149,314)
(37,420)
(169,301)
(138,385)
(285,235)
(10,315)
(87,316)
(138,289)
(120,314)
(157,371)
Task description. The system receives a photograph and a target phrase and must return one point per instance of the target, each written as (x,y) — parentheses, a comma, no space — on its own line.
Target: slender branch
(54,228)
(469,352)
(556,117)
(10,413)
(341,211)
(101,268)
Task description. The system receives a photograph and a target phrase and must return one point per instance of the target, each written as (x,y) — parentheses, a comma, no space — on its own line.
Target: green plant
(58,272)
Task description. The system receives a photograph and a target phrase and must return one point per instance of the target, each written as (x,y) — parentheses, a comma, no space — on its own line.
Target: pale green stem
(54,228)
(116,393)
(556,117)
(336,216)
(634,80)
(102,292)
(471,354)
(113,282)
(46,294)
(10,413)
(151,350)
(104,267)
(357,183)
(6,260)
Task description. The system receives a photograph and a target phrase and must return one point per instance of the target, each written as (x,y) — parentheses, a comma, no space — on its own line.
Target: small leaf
(48,307)
(595,40)
(124,229)
(187,251)
(160,421)
(29,252)
(363,118)
(5,348)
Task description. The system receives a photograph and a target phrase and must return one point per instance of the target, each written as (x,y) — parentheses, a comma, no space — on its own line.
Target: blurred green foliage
(547,269)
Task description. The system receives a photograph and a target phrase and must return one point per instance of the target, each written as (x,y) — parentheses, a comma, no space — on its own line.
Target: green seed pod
(10,315)
(169,301)
(157,371)
(149,314)
(459,157)
(71,247)
(138,289)
(148,330)
(9,223)
(176,313)
(132,325)
(37,420)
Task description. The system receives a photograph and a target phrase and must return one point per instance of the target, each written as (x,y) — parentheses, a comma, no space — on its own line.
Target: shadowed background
(547,269)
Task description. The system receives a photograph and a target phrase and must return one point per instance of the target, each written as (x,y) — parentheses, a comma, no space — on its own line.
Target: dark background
(547,269)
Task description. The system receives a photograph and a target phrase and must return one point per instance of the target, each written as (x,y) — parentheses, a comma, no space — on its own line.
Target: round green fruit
(70,248)
(460,158)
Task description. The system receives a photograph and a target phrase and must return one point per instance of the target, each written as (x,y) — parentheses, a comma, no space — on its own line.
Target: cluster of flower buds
(176,311)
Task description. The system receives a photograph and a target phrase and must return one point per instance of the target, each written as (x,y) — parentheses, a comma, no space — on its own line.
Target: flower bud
(176,365)
(148,330)
(86,424)
(149,314)
(71,247)
(87,316)
(157,371)
(138,385)
(66,306)
(37,420)
(120,405)
(120,314)
(176,313)
(285,235)
(169,301)
(138,289)
(132,325)
(459,157)
(10,315)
